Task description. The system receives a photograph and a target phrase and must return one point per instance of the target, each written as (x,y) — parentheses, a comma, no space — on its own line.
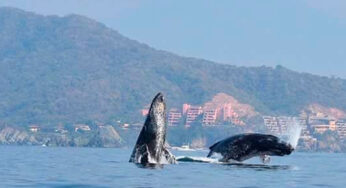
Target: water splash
(294,130)
(197,159)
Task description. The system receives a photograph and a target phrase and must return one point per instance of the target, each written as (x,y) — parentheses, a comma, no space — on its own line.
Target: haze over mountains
(73,69)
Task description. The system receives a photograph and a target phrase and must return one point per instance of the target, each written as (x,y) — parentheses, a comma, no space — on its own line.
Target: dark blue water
(101,167)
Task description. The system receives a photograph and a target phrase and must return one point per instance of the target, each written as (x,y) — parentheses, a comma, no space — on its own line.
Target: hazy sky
(303,35)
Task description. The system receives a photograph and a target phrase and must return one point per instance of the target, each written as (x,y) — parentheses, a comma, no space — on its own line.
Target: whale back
(245,146)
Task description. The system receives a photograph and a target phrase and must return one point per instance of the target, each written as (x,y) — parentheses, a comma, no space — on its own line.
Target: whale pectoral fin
(140,155)
(168,156)
(265,159)
(213,149)
(144,154)
(211,152)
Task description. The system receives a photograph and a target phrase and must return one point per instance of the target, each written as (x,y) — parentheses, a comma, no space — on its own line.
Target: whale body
(245,146)
(150,146)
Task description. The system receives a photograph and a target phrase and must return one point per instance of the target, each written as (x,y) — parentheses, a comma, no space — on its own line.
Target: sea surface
(22,166)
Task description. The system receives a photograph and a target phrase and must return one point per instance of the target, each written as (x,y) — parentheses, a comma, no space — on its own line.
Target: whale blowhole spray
(293,132)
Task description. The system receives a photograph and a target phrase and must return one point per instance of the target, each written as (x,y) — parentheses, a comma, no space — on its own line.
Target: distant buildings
(145,112)
(125,126)
(229,115)
(185,108)
(34,128)
(281,125)
(222,109)
(228,112)
(332,125)
(192,112)
(309,124)
(174,117)
(272,124)
(303,123)
(341,128)
(322,124)
(81,127)
(209,115)
(61,129)
(320,128)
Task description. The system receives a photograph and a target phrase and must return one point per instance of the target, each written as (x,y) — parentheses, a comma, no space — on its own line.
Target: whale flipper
(265,159)
(211,148)
(168,156)
(141,155)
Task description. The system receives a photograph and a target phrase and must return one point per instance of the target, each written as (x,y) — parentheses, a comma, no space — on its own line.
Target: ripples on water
(108,167)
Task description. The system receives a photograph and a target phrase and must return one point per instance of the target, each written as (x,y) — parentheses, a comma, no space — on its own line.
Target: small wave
(232,163)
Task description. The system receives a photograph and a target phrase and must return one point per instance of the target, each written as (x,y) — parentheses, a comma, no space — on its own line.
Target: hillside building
(321,125)
(174,117)
(82,127)
(192,112)
(145,111)
(272,124)
(210,117)
(34,128)
(341,128)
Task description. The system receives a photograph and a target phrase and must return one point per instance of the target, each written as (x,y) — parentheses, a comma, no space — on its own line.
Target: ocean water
(109,167)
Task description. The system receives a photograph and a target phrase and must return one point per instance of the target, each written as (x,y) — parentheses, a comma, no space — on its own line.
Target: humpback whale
(150,146)
(245,146)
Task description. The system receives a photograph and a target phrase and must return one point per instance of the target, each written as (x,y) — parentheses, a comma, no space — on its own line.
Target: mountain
(74,69)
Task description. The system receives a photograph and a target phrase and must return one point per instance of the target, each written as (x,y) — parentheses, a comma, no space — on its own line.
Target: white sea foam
(197,159)
(203,160)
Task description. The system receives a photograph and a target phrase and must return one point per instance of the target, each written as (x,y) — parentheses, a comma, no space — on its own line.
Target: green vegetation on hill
(73,69)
